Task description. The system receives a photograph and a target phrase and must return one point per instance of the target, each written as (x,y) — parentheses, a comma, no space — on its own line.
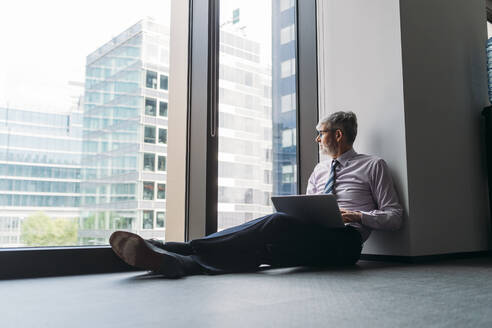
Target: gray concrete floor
(373,294)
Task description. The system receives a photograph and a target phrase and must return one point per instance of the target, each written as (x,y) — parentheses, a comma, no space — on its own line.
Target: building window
(288,68)
(163,108)
(161,163)
(161,191)
(160,221)
(288,138)
(164,82)
(287,34)
(151,80)
(288,174)
(288,103)
(150,106)
(149,134)
(149,162)
(148,190)
(122,222)
(286,4)
(163,136)
(235,16)
(148,220)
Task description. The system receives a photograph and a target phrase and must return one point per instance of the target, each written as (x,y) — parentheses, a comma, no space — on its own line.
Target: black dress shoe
(139,253)
(171,246)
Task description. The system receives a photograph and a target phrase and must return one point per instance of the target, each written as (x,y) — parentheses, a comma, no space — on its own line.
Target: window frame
(488,7)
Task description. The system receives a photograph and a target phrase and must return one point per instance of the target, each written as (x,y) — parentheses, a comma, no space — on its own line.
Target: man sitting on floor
(361,184)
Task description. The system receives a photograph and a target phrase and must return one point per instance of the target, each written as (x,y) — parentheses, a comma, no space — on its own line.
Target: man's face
(327,141)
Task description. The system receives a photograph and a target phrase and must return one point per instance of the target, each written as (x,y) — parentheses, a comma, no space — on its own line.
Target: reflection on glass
(257,107)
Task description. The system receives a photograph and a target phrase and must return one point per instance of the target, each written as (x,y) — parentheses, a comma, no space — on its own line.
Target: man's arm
(311,187)
(388,216)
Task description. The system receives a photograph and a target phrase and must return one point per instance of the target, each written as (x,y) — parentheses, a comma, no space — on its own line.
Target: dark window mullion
(203,140)
(307,91)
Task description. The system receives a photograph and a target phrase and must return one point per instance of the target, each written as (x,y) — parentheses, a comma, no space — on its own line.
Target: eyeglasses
(320,132)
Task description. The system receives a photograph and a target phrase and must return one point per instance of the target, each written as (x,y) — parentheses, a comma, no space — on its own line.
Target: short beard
(330,150)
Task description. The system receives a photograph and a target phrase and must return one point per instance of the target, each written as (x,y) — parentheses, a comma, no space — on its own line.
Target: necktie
(330,185)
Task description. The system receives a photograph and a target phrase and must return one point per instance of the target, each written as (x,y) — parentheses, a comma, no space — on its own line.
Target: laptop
(322,209)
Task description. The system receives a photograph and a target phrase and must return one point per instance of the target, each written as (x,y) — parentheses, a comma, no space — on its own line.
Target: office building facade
(125,135)
(39,168)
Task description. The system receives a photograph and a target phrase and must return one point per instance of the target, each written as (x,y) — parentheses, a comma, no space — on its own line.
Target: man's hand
(351,216)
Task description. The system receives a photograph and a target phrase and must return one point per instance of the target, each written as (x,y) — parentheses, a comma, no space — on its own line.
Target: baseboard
(424,258)
(58,261)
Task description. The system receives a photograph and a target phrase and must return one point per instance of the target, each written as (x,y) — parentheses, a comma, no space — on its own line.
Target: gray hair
(345,121)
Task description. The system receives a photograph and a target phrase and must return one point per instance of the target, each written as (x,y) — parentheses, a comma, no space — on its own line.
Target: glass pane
(148,190)
(160,221)
(75,158)
(161,164)
(163,84)
(162,136)
(149,136)
(257,107)
(150,106)
(149,160)
(151,80)
(161,191)
(163,108)
(148,220)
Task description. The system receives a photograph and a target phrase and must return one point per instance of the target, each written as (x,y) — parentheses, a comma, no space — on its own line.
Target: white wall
(360,68)
(418,93)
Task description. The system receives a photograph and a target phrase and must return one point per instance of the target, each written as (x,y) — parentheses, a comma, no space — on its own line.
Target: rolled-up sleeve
(389,214)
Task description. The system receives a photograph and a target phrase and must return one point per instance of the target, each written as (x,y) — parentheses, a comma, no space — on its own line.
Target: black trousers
(278,240)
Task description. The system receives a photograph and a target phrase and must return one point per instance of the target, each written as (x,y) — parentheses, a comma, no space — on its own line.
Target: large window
(94,145)
(257,107)
(78,141)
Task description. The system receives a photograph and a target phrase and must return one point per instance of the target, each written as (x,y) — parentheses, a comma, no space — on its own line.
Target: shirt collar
(345,157)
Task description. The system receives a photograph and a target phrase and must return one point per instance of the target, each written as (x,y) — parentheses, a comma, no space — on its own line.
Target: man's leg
(184,248)
(278,240)
(172,259)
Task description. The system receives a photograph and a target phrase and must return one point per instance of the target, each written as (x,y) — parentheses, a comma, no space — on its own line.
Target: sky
(45,43)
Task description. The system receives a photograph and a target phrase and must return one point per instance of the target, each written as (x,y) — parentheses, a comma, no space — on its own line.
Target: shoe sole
(135,251)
